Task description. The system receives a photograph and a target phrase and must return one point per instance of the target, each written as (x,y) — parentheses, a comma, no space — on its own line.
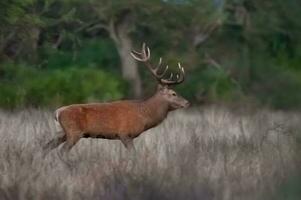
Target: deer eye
(174,94)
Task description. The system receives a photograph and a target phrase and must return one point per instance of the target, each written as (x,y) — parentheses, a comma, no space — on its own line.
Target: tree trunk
(129,65)
(124,45)
(29,47)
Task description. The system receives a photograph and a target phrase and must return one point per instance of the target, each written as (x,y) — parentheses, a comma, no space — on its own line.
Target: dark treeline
(54,52)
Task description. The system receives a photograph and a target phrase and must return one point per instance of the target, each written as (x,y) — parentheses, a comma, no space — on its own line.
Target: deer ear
(161,87)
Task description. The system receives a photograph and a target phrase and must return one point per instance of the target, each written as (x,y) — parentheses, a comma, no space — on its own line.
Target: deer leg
(128,143)
(55,142)
(70,142)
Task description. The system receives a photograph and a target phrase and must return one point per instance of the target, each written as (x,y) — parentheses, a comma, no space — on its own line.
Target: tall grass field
(208,153)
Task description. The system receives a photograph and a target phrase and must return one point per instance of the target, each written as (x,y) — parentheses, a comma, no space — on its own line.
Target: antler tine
(159,64)
(181,68)
(144,56)
(133,54)
(180,76)
(136,52)
(145,51)
(170,77)
(155,69)
(163,73)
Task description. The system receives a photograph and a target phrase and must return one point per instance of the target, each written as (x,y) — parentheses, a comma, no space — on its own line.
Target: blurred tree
(231,48)
(25,21)
(119,19)
(175,19)
(254,35)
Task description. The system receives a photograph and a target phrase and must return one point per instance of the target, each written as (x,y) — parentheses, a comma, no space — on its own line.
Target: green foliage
(92,53)
(276,81)
(210,84)
(257,45)
(23,86)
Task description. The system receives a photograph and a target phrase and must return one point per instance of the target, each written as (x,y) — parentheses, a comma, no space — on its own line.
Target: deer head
(174,100)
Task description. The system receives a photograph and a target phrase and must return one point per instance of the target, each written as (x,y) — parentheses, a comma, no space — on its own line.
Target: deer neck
(154,110)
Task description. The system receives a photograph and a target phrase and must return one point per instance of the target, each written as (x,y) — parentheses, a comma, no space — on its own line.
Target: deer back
(121,118)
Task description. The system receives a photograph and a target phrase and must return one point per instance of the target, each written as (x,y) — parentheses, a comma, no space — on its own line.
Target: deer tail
(57,114)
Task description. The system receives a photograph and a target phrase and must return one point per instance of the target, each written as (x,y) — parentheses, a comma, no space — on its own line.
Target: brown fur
(123,120)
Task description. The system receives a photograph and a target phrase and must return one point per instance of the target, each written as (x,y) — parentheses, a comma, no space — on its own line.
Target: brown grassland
(211,153)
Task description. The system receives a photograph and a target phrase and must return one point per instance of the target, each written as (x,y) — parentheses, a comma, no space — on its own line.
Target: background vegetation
(245,54)
(54,52)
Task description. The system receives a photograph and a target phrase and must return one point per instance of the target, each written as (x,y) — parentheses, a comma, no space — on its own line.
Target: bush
(277,81)
(210,84)
(92,53)
(23,86)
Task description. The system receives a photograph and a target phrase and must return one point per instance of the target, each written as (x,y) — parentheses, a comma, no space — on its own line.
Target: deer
(121,120)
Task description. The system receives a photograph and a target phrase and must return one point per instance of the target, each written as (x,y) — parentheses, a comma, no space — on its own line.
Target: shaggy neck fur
(154,110)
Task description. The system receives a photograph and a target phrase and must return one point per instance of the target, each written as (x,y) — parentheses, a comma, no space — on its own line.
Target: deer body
(115,120)
(123,120)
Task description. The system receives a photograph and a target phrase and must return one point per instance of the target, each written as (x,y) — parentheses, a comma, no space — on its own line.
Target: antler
(144,56)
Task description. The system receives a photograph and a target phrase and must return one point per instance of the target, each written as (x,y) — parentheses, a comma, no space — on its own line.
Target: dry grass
(208,153)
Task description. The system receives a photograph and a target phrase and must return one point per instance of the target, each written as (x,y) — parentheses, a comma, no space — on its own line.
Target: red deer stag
(123,120)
